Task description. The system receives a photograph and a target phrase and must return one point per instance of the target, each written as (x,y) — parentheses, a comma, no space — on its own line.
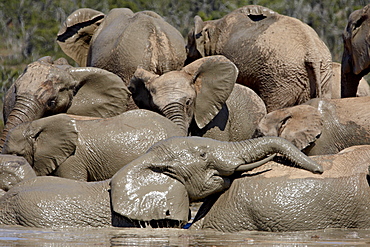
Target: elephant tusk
(250,166)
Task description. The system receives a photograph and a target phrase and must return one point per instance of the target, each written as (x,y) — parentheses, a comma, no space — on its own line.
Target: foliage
(28,28)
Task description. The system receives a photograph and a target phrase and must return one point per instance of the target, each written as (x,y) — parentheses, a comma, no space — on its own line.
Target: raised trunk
(256,149)
(175,112)
(24,110)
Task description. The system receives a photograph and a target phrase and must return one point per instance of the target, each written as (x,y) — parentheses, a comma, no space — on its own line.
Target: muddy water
(21,236)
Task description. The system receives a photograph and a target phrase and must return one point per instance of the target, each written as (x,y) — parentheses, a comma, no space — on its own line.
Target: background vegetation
(28,28)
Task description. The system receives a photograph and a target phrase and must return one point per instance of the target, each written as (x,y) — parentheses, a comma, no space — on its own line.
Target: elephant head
(49,87)
(44,144)
(356,54)
(157,187)
(13,169)
(198,91)
(302,125)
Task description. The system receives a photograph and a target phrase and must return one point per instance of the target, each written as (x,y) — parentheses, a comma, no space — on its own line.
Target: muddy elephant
(321,126)
(48,87)
(88,149)
(202,98)
(154,190)
(121,41)
(356,52)
(13,169)
(363,86)
(279,198)
(282,59)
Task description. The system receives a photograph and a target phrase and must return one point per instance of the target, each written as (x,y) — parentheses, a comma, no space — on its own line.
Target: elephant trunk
(25,110)
(349,84)
(258,148)
(175,112)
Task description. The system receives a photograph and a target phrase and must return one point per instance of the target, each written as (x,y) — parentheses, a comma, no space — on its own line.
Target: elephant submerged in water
(280,198)
(83,148)
(281,58)
(153,190)
(48,87)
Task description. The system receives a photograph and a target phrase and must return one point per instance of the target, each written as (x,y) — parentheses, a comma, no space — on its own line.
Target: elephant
(278,198)
(321,126)
(48,87)
(356,52)
(153,190)
(281,58)
(363,86)
(85,148)
(121,41)
(13,169)
(202,98)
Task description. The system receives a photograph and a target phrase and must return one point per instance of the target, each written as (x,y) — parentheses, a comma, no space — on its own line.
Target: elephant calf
(89,149)
(153,190)
(281,198)
(321,126)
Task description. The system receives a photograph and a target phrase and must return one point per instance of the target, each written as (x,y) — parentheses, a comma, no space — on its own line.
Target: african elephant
(202,99)
(356,52)
(49,87)
(282,59)
(363,86)
(13,169)
(121,41)
(89,149)
(321,126)
(280,198)
(153,190)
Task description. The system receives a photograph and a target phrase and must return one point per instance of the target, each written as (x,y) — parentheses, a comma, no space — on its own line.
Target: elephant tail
(320,78)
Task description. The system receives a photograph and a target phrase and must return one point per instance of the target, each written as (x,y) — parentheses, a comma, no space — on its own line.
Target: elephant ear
(9,102)
(137,87)
(100,93)
(214,79)
(360,40)
(46,143)
(140,192)
(76,32)
(302,125)
(199,35)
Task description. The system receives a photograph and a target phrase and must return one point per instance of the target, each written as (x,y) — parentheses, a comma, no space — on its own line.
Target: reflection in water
(21,236)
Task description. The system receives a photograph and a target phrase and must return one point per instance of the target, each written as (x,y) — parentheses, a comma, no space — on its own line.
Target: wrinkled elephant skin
(153,190)
(89,149)
(280,198)
(321,126)
(202,99)
(254,38)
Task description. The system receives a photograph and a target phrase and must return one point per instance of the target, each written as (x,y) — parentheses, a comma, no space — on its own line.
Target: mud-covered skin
(13,169)
(122,41)
(153,190)
(89,149)
(202,98)
(280,198)
(321,126)
(254,38)
(356,56)
(48,87)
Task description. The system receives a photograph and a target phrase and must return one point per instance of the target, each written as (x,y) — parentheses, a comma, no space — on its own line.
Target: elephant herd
(248,116)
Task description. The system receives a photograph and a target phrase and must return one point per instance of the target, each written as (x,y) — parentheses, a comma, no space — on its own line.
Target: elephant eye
(188,102)
(203,155)
(51,103)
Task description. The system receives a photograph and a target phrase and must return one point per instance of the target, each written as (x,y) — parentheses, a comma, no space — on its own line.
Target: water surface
(24,236)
